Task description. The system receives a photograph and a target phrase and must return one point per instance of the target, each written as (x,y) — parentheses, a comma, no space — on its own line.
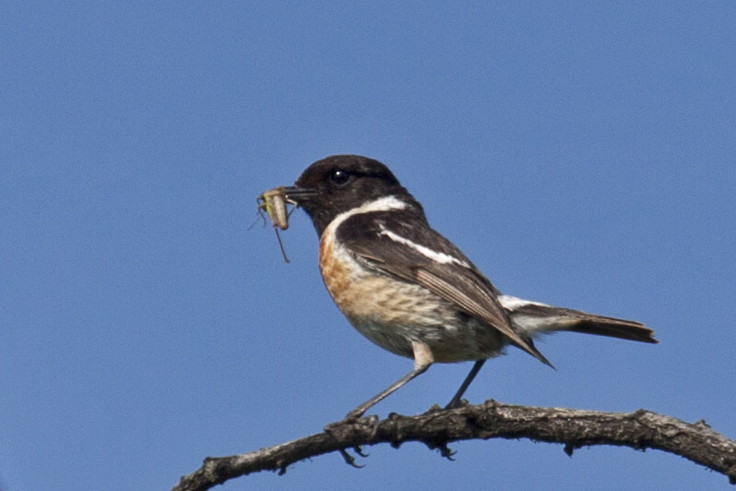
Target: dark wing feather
(381,238)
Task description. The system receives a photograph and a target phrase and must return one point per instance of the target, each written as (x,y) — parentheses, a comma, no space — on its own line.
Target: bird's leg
(455,402)
(423,358)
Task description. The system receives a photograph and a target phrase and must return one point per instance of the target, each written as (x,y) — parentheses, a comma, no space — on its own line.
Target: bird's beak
(297,195)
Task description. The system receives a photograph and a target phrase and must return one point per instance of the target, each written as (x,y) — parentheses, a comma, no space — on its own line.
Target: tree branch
(574,428)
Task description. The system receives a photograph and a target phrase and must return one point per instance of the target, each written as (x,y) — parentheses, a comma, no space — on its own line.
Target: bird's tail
(534,318)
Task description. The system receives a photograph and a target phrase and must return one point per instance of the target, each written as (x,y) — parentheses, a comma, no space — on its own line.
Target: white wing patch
(439,257)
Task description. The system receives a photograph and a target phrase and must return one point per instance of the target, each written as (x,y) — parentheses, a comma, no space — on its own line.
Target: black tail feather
(538,318)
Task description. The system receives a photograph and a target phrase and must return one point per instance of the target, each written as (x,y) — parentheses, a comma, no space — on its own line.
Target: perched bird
(410,290)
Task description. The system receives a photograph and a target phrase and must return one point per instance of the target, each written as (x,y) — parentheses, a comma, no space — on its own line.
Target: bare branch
(573,428)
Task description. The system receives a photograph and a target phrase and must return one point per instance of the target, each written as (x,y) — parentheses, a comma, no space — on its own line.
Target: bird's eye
(339,177)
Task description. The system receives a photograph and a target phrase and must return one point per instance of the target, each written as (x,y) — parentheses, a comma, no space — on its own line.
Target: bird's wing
(412,251)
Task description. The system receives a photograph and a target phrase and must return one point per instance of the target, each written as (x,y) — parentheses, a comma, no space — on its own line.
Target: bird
(411,291)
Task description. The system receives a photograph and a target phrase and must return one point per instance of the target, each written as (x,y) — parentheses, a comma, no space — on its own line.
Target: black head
(340,183)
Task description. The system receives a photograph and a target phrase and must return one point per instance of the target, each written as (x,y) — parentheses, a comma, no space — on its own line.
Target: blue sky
(582,154)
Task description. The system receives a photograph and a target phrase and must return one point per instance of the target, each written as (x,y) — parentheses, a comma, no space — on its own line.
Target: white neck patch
(386,203)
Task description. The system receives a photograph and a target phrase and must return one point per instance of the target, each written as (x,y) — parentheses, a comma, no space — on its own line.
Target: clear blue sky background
(581,153)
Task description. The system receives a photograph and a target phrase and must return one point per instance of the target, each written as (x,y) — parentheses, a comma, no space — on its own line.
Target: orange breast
(359,294)
(335,272)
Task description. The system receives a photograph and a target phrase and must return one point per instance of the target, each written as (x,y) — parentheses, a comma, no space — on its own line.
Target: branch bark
(573,428)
